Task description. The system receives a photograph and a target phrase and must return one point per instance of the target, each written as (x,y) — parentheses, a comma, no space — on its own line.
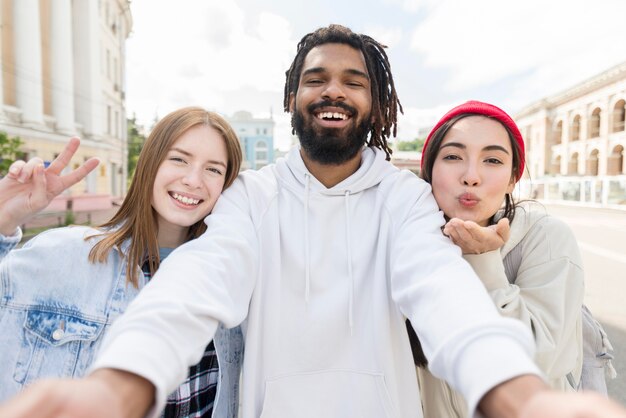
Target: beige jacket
(546,294)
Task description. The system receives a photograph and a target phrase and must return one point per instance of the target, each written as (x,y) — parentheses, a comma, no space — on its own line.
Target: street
(601,235)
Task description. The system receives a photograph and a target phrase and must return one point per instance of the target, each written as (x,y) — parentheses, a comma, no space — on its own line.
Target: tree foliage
(135,143)
(9,151)
(416,145)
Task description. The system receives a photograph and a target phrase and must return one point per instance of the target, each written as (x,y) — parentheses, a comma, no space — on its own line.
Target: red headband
(485,109)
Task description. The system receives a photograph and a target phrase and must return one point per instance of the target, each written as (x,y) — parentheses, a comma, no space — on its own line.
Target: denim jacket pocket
(56,343)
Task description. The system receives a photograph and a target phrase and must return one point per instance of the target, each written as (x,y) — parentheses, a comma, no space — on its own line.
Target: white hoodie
(325,278)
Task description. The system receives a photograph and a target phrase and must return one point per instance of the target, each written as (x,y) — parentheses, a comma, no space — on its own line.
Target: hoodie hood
(526,216)
(374,167)
(293,175)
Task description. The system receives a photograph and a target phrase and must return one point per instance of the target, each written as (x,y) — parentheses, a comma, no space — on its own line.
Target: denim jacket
(56,307)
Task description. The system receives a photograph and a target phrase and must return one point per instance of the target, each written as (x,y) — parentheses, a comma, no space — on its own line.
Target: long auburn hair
(136,219)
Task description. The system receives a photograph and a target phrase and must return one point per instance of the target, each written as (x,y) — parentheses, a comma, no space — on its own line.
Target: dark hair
(429,155)
(385,102)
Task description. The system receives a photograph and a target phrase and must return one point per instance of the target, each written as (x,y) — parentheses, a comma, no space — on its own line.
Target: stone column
(2,117)
(87,79)
(61,65)
(28,72)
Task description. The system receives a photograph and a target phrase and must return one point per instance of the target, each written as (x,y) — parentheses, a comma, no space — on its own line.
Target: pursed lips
(468,199)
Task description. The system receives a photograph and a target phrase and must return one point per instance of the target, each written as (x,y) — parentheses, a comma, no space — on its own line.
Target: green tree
(135,143)
(416,145)
(9,151)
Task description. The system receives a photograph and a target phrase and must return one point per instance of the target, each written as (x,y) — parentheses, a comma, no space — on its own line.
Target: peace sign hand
(28,187)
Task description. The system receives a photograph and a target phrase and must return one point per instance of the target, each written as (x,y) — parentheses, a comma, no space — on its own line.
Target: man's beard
(328,145)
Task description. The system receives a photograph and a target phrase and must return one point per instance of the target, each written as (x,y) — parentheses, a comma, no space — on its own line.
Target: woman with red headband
(528,261)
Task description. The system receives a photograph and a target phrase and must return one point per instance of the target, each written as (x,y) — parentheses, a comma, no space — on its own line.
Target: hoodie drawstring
(349,251)
(307,255)
(307,262)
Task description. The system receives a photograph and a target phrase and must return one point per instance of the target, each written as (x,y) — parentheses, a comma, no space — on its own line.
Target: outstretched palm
(29,188)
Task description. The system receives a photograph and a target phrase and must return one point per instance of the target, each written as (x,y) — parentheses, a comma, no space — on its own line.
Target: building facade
(575,142)
(257,139)
(62,75)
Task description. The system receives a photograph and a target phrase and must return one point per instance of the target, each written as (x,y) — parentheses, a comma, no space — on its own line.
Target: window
(108,64)
(619,114)
(575,128)
(594,125)
(108,119)
(572,167)
(558,133)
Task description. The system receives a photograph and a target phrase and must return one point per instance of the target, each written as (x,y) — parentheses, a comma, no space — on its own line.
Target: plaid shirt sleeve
(194,398)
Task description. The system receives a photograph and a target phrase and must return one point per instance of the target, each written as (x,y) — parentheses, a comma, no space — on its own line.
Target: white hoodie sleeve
(203,282)
(547,295)
(465,339)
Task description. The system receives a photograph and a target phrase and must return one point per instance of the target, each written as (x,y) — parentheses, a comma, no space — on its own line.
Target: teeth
(184,199)
(332,115)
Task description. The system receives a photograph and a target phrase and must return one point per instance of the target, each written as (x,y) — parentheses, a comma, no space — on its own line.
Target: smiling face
(331,109)
(188,182)
(472,171)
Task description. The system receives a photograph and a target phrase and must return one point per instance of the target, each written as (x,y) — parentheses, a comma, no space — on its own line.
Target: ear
(292,102)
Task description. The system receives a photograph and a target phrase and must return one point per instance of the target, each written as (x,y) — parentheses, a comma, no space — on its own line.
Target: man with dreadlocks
(326,252)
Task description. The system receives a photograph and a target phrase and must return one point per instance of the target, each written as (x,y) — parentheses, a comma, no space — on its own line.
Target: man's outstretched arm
(107,393)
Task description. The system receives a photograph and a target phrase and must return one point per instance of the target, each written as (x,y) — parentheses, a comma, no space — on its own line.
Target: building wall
(69,83)
(575,142)
(257,139)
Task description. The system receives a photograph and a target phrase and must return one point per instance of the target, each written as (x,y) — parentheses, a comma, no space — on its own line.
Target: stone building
(257,139)
(62,75)
(575,142)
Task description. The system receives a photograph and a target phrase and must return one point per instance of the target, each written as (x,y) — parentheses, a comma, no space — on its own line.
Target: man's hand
(529,397)
(29,188)
(572,405)
(476,239)
(105,394)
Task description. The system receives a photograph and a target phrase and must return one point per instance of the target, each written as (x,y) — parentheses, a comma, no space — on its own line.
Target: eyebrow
(188,154)
(352,71)
(487,148)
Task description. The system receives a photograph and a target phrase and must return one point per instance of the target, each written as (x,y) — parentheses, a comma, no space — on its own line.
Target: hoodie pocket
(328,394)
(55,344)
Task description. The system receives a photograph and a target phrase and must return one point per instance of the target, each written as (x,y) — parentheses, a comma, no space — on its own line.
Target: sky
(231,55)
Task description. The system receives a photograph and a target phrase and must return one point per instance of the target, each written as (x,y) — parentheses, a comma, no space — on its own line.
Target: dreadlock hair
(385,102)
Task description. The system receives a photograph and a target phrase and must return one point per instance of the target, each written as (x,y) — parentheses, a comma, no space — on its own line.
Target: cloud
(197,52)
(387,36)
(412,6)
(484,41)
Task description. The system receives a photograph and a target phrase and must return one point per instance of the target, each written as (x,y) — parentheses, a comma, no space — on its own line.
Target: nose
(471,176)
(333,91)
(192,178)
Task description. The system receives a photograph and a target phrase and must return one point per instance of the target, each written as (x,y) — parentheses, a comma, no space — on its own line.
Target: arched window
(615,163)
(557,137)
(572,166)
(619,116)
(575,128)
(594,125)
(592,163)
(556,165)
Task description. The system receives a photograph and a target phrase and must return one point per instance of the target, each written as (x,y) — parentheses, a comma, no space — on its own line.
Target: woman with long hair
(63,289)
(528,261)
